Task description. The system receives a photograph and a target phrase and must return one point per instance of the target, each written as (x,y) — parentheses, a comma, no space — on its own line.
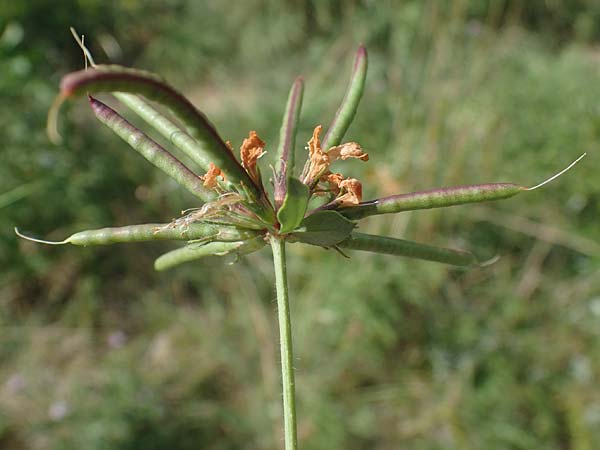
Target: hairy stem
(285,336)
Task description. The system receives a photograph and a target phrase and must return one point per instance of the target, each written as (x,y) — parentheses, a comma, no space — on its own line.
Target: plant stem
(285,337)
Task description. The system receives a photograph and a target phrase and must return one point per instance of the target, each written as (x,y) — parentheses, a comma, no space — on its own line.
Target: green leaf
(294,205)
(324,228)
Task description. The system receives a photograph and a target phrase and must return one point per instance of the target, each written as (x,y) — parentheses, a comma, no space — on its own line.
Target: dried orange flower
(334,180)
(319,161)
(352,192)
(210,178)
(252,148)
(346,151)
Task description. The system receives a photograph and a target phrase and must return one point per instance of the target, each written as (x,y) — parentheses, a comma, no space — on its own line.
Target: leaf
(324,228)
(294,205)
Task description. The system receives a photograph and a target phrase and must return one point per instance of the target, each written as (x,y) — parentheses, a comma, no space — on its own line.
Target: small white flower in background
(58,410)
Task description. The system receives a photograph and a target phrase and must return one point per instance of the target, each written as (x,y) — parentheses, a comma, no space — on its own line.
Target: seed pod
(156,232)
(345,113)
(287,140)
(439,198)
(401,247)
(197,251)
(150,150)
(167,128)
(152,232)
(123,79)
(434,198)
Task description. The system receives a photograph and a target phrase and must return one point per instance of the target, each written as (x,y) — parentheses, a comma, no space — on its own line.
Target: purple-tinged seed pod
(171,131)
(150,150)
(287,139)
(434,198)
(113,78)
(440,198)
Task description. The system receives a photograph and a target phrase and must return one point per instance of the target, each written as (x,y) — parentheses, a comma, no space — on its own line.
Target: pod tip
(556,175)
(87,55)
(39,241)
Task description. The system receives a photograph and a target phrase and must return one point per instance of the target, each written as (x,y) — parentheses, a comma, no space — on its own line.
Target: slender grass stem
(285,336)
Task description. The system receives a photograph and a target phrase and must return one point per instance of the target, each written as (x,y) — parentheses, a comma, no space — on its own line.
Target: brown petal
(318,160)
(334,180)
(210,178)
(346,151)
(352,189)
(252,148)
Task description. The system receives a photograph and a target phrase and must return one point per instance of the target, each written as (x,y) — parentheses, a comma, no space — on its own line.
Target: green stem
(285,336)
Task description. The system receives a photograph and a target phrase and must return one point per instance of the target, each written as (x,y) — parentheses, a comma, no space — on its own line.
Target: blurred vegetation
(97,351)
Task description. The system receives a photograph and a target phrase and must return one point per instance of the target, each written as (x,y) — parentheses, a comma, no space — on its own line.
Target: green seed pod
(287,140)
(168,129)
(434,198)
(123,79)
(401,247)
(150,150)
(138,233)
(152,232)
(440,198)
(347,110)
(197,251)
(156,232)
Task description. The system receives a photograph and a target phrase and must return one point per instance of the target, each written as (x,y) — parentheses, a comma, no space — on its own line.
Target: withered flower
(251,150)
(351,190)
(210,177)
(319,161)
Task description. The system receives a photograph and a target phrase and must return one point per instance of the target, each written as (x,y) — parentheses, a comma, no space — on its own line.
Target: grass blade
(14,195)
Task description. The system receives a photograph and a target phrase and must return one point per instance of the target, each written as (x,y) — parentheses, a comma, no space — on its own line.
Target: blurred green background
(97,351)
